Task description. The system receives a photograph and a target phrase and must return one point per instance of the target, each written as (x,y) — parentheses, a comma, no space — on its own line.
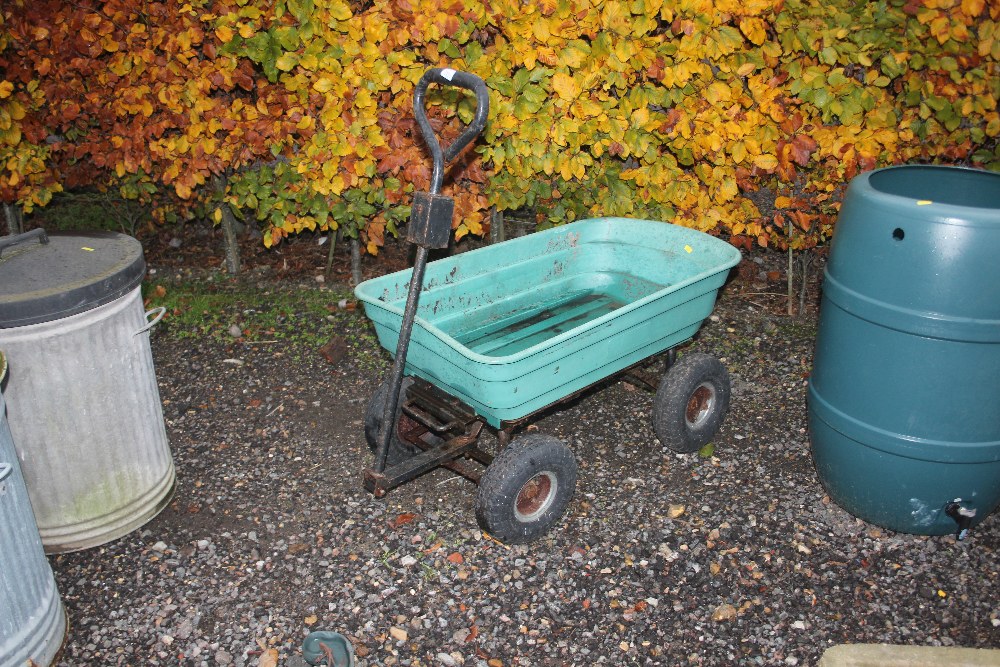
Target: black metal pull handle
(449,77)
(8,241)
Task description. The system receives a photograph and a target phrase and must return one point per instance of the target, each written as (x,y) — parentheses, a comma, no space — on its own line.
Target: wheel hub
(535,496)
(700,404)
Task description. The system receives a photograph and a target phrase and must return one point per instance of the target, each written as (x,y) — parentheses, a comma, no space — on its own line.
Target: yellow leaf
(247,31)
(573,55)
(6,88)
(564,86)
(754,29)
(340,11)
(738,152)
(616,18)
(766,162)
(728,189)
(718,92)
(268,658)
(540,28)
(548,164)
(224,33)
(973,8)
(286,62)
(217,214)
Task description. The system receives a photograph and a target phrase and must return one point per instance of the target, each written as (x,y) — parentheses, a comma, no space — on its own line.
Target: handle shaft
(445,77)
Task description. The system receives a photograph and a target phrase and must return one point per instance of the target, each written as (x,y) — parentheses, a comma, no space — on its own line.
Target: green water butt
(905,390)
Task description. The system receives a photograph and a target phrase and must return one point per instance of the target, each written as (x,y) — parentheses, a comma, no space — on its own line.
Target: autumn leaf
(765,162)
(565,86)
(754,29)
(802,149)
(224,33)
(402,519)
(973,8)
(268,656)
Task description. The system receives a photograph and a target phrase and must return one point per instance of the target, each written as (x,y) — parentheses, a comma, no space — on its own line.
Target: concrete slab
(887,655)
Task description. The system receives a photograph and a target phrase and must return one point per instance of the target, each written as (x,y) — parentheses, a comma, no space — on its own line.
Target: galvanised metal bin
(85,408)
(904,397)
(32,620)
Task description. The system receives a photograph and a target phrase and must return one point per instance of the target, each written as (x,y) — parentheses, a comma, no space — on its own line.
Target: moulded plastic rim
(953,211)
(366,292)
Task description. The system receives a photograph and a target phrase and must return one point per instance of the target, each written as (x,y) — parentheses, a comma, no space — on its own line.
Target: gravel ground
(662,559)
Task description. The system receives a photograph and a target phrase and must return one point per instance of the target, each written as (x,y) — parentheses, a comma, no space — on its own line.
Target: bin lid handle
(8,241)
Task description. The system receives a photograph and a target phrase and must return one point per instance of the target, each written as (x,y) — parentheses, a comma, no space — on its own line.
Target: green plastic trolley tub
(514,327)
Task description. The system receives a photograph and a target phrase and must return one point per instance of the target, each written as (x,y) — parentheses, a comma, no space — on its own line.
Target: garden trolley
(494,336)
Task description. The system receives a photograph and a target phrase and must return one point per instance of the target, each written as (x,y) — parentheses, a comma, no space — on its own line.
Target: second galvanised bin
(32,620)
(84,404)
(904,397)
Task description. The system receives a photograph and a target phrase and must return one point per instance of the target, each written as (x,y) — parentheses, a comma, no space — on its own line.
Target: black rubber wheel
(399,447)
(691,402)
(526,489)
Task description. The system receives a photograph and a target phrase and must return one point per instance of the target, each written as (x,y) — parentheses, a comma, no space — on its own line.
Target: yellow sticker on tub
(688,248)
(924,202)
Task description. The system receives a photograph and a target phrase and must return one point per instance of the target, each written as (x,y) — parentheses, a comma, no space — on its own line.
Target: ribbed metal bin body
(32,621)
(86,417)
(904,398)
(84,405)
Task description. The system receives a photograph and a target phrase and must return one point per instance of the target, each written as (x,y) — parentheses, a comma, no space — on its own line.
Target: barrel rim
(939,208)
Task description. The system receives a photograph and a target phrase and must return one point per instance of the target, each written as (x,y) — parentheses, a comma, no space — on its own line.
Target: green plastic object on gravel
(904,397)
(514,327)
(328,649)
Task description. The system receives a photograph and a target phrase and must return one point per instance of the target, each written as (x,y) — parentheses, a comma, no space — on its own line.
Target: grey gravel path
(663,559)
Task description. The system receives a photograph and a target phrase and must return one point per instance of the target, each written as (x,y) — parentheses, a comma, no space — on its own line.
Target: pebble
(446,660)
(725,612)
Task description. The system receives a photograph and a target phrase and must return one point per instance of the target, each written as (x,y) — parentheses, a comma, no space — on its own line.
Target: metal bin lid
(45,277)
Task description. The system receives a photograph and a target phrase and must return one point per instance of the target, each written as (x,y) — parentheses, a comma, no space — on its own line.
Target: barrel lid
(71,273)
